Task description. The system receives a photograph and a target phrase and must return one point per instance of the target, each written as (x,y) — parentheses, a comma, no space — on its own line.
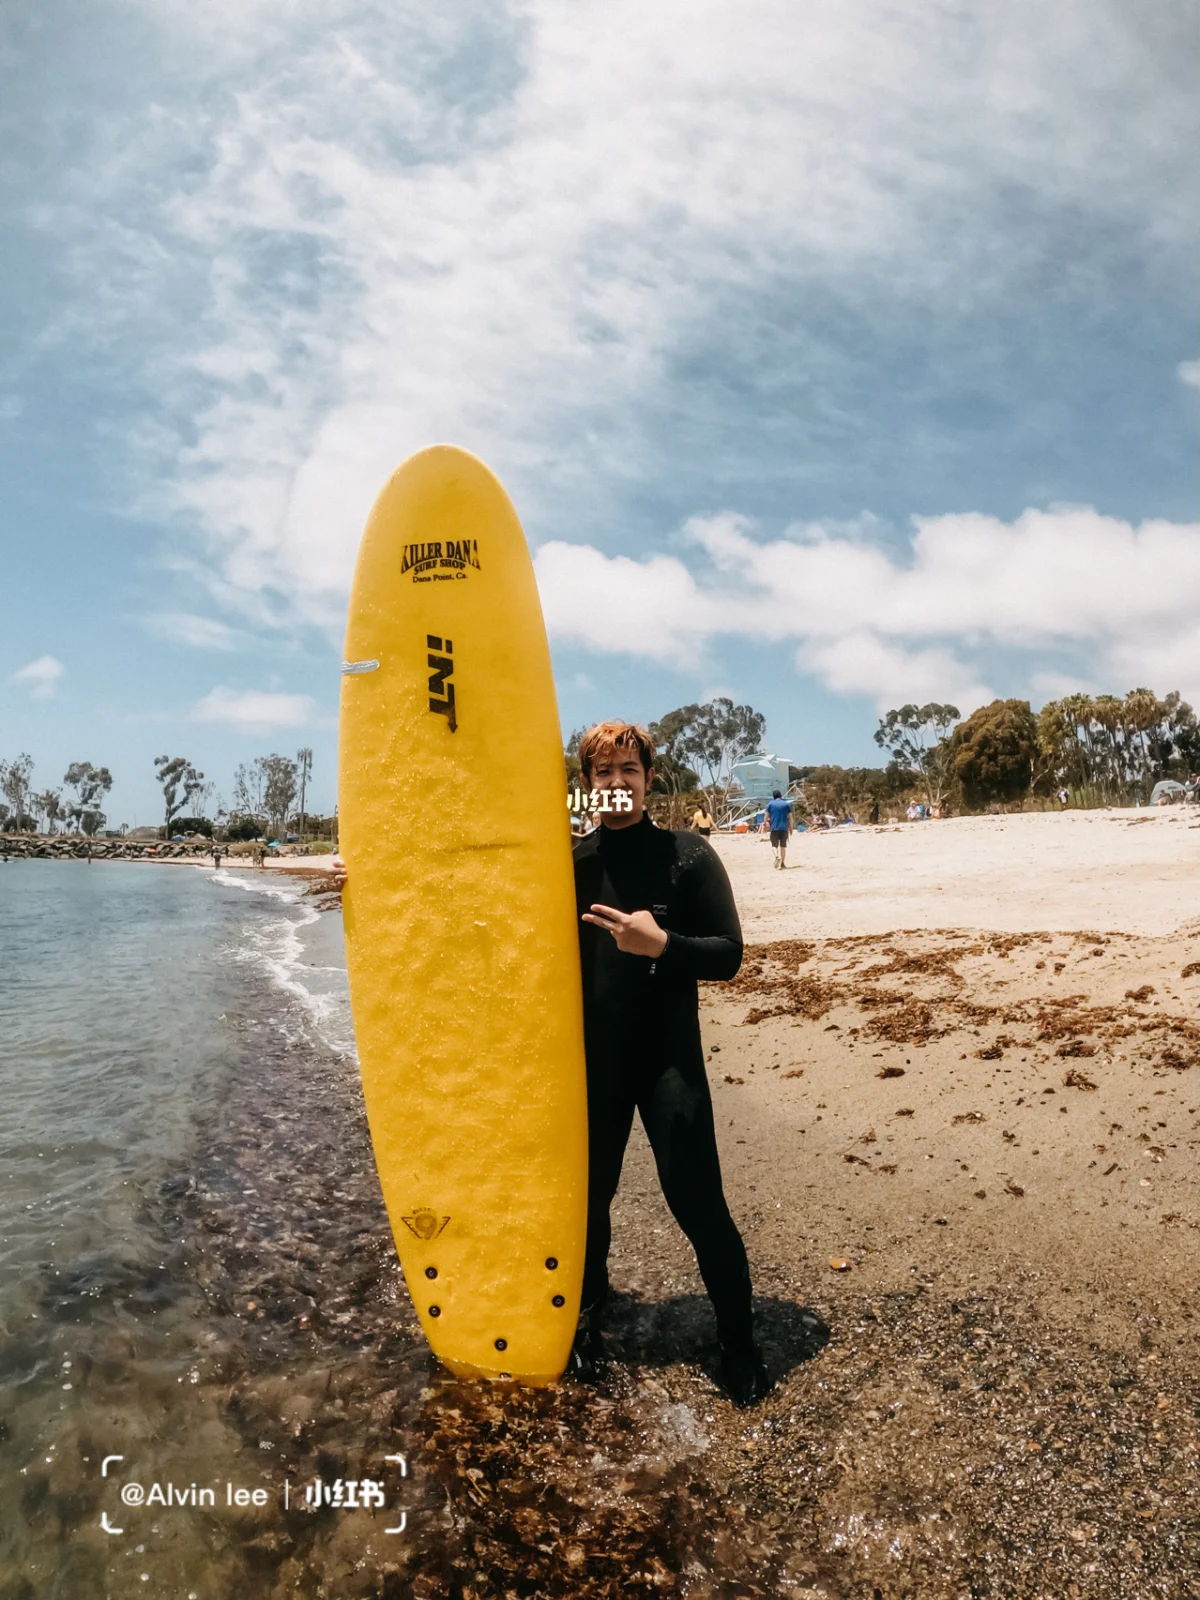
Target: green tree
(670,734)
(571,758)
(15,779)
(917,738)
(90,784)
(249,783)
(840,789)
(994,751)
(1173,741)
(702,742)
(672,772)
(181,783)
(191,825)
(721,734)
(279,789)
(47,805)
(304,773)
(1111,749)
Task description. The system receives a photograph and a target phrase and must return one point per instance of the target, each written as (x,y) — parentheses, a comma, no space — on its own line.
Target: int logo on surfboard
(441,687)
(440,560)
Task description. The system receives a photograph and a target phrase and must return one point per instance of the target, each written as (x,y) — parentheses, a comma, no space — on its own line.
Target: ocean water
(200,1298)
(121,992)
(153,1021)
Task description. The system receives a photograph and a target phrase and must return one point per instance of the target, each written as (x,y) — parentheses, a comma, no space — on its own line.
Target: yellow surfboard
(460,920)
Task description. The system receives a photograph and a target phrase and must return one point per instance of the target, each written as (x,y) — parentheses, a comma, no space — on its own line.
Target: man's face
(621,769)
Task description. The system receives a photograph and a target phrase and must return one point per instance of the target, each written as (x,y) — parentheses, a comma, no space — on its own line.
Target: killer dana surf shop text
(440,560)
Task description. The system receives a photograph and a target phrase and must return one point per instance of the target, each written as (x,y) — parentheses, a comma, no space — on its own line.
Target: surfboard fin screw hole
(501,1344)
(559,1300)
(431,1272)
(552,1262)
(435,1311)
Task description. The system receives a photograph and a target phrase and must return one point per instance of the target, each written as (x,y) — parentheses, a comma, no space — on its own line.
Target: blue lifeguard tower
(754,780)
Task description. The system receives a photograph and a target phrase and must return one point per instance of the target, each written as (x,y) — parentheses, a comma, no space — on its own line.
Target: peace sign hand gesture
(636,932)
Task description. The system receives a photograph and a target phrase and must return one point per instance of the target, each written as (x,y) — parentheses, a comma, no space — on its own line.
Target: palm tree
(1144,712)
(47,805)
(303,773)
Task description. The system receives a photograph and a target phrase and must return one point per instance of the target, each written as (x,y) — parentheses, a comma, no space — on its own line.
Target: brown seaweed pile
(932,1004)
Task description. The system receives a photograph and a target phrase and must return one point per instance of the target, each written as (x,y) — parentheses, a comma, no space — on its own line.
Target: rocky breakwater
(75,847)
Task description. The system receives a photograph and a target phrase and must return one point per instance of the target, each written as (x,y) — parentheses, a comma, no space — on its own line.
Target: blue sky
(834,356)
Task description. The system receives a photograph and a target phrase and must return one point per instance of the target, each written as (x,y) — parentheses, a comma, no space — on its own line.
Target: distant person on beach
(656,915)
(702,821)
(1063,797)
(778,819)
(874,817)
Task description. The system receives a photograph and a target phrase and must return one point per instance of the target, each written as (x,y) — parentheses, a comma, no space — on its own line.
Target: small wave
(288,894)
(277,949)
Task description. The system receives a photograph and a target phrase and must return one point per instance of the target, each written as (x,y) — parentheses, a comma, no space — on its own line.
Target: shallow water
(114,993)
(200,1281)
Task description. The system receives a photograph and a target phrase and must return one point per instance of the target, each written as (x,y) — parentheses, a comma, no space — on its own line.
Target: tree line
(1093,749)
(1099,750)
(268,793)
(79,809)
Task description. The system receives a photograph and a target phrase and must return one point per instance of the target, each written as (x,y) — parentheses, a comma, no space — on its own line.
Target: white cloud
(394,246)
(863,663)
(914,625)
(42,677)
(1189,373)
(651,608)
(255,708)
(202,633)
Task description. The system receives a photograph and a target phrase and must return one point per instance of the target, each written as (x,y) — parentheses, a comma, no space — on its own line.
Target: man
(779,820)
(656,915)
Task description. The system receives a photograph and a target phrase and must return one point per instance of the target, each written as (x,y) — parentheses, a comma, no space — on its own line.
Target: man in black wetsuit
(656,914)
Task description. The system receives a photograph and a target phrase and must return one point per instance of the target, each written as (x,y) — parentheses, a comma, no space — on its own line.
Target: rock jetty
(76,847)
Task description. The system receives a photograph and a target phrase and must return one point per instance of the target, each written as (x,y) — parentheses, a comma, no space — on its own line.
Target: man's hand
(636,932)
(337,872)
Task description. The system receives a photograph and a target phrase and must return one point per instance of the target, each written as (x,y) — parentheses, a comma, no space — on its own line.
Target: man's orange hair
(608,737)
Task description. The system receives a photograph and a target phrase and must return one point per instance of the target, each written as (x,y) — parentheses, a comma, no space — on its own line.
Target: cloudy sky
(834,354)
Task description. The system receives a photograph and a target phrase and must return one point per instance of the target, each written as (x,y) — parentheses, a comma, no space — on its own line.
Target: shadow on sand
(661,1333)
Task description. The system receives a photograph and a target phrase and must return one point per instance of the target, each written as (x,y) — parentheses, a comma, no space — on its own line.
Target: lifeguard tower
(753,781)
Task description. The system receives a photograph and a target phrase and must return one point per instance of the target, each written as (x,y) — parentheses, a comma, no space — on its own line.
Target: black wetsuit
(642,1037)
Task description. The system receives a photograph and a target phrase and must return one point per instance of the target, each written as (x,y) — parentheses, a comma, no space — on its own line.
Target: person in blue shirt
(779,820)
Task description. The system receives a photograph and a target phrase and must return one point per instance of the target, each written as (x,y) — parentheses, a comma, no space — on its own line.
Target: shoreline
(69,847)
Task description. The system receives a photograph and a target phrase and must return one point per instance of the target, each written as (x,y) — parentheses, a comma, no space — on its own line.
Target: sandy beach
(987,1027)
(961,1062)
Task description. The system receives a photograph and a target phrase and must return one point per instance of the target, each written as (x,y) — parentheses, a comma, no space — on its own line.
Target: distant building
(758,776)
